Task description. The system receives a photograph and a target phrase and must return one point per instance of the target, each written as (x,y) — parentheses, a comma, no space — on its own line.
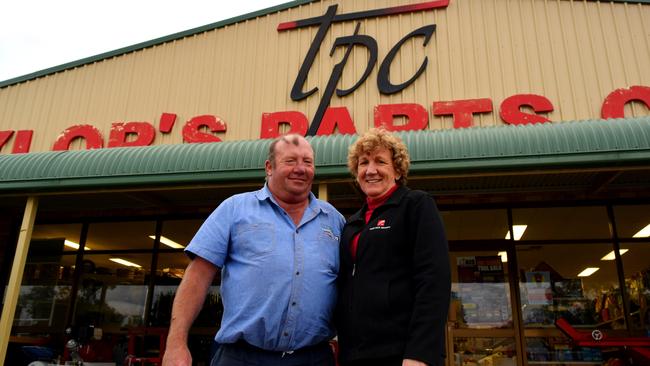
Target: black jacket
(394,300)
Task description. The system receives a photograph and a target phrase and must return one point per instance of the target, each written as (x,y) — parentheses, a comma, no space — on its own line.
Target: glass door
(482,328)
(481,325)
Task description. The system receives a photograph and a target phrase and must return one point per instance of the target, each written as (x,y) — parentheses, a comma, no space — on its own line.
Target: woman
(394,281)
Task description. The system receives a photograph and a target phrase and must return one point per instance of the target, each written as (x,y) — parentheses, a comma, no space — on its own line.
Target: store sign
(516,109)
(384,83)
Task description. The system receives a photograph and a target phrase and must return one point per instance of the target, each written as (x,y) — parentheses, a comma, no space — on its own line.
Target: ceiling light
(588,271)
(519,231)
(611,255)
(643,233)
(73,245)
(168,242)
(124,262)
(504,256)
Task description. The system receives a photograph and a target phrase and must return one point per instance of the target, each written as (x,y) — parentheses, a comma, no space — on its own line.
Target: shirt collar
(394,199)
(314,205)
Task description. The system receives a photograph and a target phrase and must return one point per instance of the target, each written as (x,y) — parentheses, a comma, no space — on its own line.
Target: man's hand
(410,362)
(177,355)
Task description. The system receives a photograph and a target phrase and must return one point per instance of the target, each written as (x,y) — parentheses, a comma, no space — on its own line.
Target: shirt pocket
(254,240)
(328,246)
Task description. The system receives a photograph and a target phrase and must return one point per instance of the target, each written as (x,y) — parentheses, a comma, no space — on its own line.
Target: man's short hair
(289,139)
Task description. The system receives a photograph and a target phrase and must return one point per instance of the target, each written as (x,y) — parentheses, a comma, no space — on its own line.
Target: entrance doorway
(482,322)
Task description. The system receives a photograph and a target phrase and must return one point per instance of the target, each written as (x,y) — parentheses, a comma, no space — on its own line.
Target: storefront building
(527,120)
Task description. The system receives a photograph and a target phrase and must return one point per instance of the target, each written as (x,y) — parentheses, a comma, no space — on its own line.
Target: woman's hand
(410,362)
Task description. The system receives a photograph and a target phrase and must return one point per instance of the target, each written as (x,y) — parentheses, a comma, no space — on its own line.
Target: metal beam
(322,191)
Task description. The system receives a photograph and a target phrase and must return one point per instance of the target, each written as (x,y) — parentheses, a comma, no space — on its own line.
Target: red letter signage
(462,110)
(144,134)
(4,137)
(336,116)
(22,142)
(192,129)
(167,122)
(511,113)
(271,123)
(89,133)
(614,104)
(417,117)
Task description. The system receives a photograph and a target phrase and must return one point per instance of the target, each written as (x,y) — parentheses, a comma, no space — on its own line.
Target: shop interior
(115,294)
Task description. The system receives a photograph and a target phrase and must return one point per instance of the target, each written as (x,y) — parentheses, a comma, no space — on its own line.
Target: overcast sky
(39,34)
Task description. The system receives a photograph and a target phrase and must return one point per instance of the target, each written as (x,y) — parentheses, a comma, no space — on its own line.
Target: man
(277,249)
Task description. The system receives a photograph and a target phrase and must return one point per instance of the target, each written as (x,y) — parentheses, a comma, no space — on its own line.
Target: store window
(112,295)
(484,351)
(636,266)
(170,270)
(45,290)
(475,224)
(113,287)
(121,236)
(480,291)
(558,350)
(561,223)
(480,315)
(633,221)
(571,281)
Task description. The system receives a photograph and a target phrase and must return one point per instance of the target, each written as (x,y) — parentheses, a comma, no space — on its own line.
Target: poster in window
(538,288)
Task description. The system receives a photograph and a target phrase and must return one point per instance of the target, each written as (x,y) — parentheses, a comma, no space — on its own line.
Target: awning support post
(16,277)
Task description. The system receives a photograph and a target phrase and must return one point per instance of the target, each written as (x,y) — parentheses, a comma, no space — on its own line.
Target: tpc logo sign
(384,83)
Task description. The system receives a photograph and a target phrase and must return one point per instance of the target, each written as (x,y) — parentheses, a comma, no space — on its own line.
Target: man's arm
(187,304)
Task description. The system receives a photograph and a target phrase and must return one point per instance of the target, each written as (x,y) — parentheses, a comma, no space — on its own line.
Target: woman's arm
(431,283)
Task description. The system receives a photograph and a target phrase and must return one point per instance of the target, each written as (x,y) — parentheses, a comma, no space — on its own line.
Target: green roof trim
(579,144)
(153,42)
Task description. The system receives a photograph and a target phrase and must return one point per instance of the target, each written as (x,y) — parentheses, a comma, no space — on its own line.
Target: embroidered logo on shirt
(381,225)
(330,233)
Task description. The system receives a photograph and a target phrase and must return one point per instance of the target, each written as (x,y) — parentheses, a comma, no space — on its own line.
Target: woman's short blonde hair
(377,138)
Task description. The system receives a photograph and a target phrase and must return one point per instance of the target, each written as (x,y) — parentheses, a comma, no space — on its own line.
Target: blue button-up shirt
(277,279)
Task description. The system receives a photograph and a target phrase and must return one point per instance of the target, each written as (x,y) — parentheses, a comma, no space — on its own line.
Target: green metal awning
(580,144)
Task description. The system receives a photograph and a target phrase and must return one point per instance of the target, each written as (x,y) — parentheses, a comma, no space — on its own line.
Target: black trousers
(384,361)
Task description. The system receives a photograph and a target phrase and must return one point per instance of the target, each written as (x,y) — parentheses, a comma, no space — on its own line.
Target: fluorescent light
(588,271)
(611,255)
(124,262)
(643,233)
(73,245)
(519,231)
(504,256)
(168,242)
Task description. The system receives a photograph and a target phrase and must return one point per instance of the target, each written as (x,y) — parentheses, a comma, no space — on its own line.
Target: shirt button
(293,303)
(286,334)
(298,273)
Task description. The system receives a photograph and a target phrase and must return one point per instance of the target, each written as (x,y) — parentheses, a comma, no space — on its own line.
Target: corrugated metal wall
(572,52)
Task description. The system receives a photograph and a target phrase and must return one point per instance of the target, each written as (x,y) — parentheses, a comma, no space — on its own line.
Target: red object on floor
(638,346)
(137,338)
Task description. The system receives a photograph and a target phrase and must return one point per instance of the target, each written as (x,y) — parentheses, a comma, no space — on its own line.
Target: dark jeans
(243,354)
